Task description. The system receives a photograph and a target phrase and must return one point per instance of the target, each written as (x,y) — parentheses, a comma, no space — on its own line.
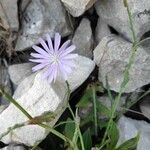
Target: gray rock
(38,98)
(10,9)
(5,83)
(39,18)
(101,31)
(4,21)
(78,7)
(18,72)
(24,4)
(145,106)
(13,147)
(115,14)
(129,128)
(83,39)
(112,55)
(2,107)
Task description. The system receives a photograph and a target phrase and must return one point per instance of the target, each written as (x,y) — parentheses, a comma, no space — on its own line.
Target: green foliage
(87,139)
(113,135)
(69,129)
(131,144)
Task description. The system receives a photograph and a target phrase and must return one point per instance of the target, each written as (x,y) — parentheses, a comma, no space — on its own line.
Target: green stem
(126,74)
(130,21)
(50,129)
(10,99)
(95,109)
(35,147)
(122,88)
(142,41)
(62,123)
(73,116)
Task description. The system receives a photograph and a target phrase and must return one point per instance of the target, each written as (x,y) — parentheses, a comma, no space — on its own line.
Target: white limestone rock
(83,39)
(101,31)
(5,83)
(37,97)
(114,13)
(10,10)
(18,72)
(77,7)
(112,55)
(13,147)
(39,18)
(129,128)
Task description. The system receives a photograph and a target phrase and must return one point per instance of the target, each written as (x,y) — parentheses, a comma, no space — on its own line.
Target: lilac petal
(70,56)
(65,45)
(40,50)
(49,71)
(44,45)
(57,41)
(68,50)
(49,42)
(39,66)
(51,76)
(39,60)
(64,74)
(36,55)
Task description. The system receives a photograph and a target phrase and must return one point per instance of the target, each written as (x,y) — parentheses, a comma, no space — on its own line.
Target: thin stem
(35,147)
(136,112)
(122,88)
(95,109)
(62,123)
(126,73)
(79,131)
(50,129)
(142,41)
(131,22)
(73,116)
(10,99)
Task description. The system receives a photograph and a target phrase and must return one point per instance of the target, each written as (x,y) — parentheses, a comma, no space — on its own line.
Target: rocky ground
(101,32)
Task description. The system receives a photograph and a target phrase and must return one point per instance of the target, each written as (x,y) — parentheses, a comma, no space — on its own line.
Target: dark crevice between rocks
(93,17)
(113,31)
(136,107)
(2,145)
(136,116)
(89,14)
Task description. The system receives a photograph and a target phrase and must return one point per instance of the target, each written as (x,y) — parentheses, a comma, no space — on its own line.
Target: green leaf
(103,110)
(99,87)
(86,98)
(131,144)
(69,129)
(113,134)
(87,139)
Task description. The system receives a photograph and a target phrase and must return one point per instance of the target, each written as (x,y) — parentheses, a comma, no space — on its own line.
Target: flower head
(57,60)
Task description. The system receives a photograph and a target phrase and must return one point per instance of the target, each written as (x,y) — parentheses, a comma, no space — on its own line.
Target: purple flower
(57,60)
